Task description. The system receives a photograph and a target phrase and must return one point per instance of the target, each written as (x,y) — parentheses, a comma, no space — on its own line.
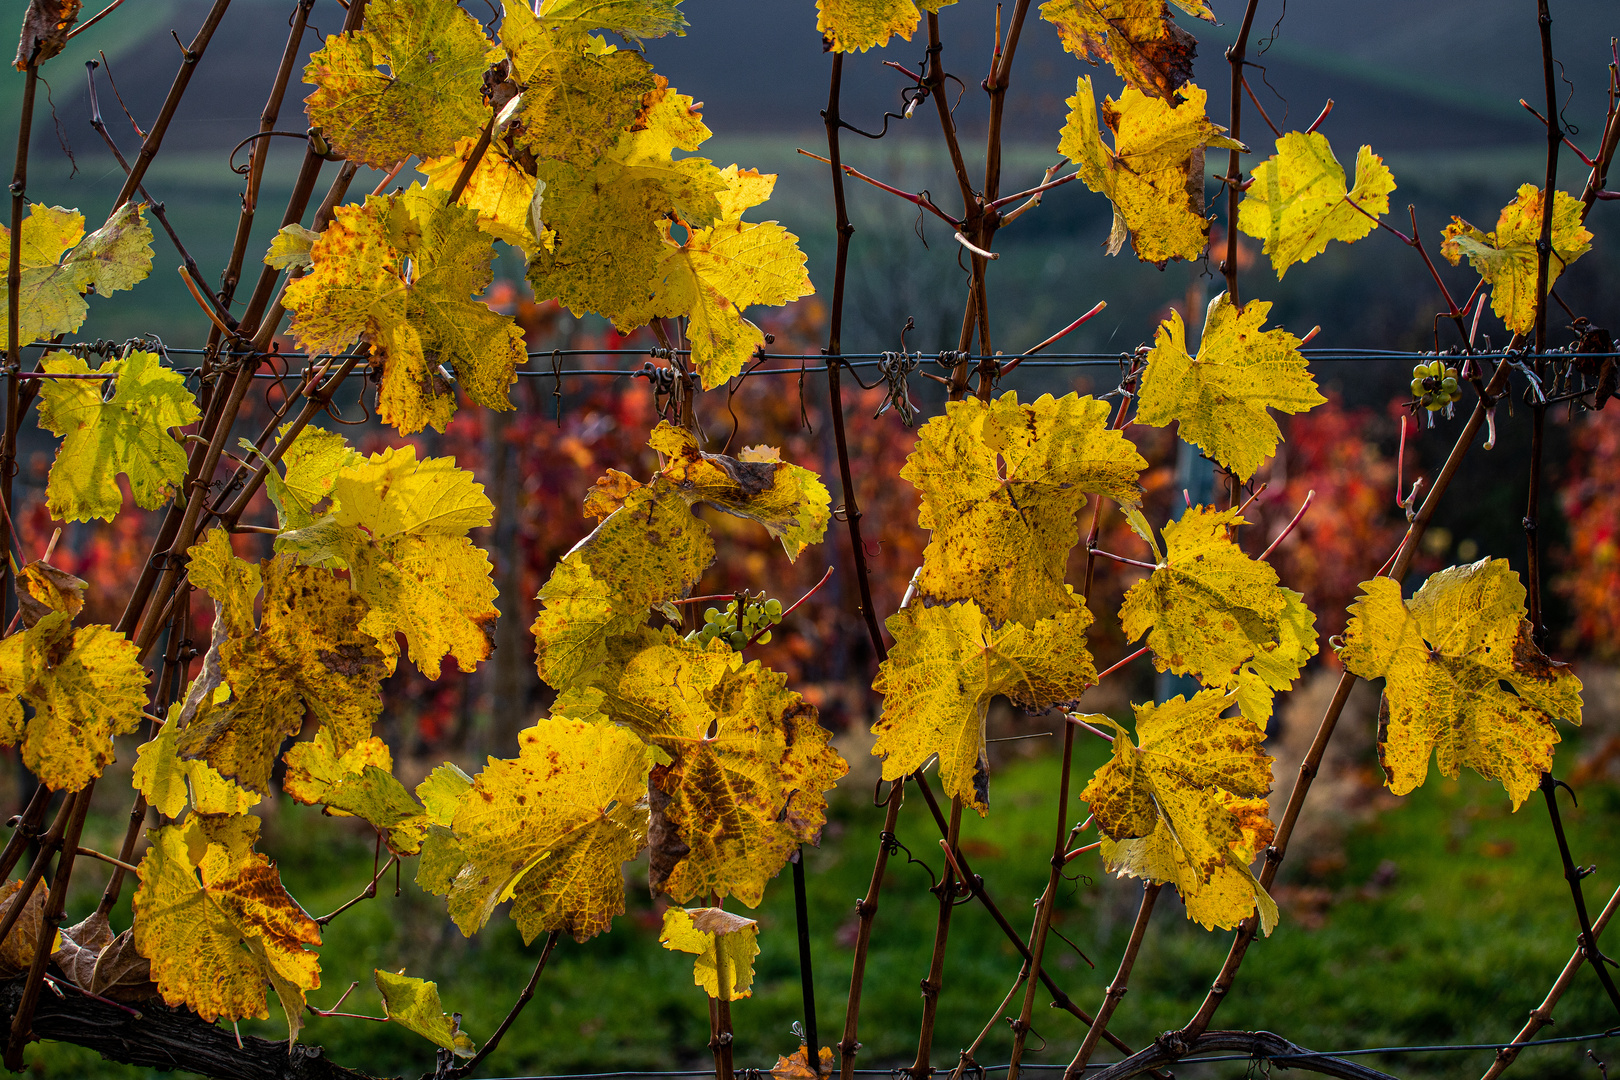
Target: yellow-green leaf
(312,464)
(947,663)
(127,434)
(500,191)
(414,1005)
(725,944)
(171,783)
(1298,201)
(291,247)
(1507,259)
(1219,398)
(1462,678)
(1002,485)
(51,297)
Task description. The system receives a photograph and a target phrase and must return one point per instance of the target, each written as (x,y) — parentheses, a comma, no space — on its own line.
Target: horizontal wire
(1391,1050)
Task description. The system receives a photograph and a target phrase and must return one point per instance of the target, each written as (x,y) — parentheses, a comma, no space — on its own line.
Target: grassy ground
(1445,920)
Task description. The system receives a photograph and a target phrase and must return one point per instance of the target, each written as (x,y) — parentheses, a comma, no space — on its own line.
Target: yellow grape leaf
(609,493)
(858,25)
(51,297)
(84,685)
(399,526)
(1185,805)
(1139,37)
(312,464)
(1209,608)
(550,830)
(790,501)
(171,783)
(1298,201)
(290,250)
(602,223)
(1462,678)
(725,944)
(403,273)
(630,19)
(748,765)
(947,662)
(650,551)
(578,92)
(315,767)
(358,782)
(1002,485)
(44,589)
(796,1066)
(1272,669)
(430,95)
(127,434)
(308,652)
(1219,398)
(216,923)
(441,794)
(414,1005)
(1507,258)
(1154,175)
(500,191)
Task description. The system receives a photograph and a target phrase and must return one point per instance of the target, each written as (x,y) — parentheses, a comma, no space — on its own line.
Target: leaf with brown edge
(103,964)
(1002,485)
(308,652)
(790,501)
(1219,399)
(42,589)
(551,830)
(748,765)
(17,950)
(46,24)
(947,663)
(216,924)
(1175,805)
(358,783)
(609,493)
(725,944)
(429,95)
(1139,37)
(796,1066)
(1463,680)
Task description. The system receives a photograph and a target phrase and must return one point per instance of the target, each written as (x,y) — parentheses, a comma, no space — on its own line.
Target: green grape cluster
(737,627)
(1435,386)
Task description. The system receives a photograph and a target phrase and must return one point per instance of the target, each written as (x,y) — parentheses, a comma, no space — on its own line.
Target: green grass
(1466,938)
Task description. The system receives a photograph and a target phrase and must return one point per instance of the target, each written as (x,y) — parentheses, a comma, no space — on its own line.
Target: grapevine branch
(1573,875)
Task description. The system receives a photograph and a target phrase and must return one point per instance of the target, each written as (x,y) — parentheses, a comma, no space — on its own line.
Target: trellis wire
(1280,1058)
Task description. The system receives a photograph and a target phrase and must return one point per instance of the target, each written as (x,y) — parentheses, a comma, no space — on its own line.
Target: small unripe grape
(765,638)
(1417,387)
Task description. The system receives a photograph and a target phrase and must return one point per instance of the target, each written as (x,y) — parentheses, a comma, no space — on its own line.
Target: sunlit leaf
(1507,259)
(1139,37)
(1298,200)
(725,944)
(414,1005)
(51,297)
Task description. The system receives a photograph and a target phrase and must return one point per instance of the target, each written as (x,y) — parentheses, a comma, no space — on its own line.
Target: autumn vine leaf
(413,1004)
(500,191)
(441,795)
(1298,201)
(1002,485)
(1185,804)
(857,25)
(1219,399)
(22,940)
(313,461)
(216,923)
(1154,174)
(84,685)
(1507,259)
(308,652)
(1211,611)
(1139,37)
(171,782)
(357,782)
(649,551)
(725,944)
(633,20)
(104,437)
(1462,678)
(550,830)
(947,662)
(402,273)
(399,526)
(51,297)
(430,94)
(789,500)
(748,764)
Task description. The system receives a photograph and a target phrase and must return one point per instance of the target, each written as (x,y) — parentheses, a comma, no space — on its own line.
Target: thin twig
(915,200)
(365,894)
(1116,989)
(517,1007)
(1573,875)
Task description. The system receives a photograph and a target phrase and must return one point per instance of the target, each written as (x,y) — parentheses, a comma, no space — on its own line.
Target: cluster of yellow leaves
(212,916)
(103,436)
(358,782)
(1218,399)
(414,1005)
(1139,37)
(1297,200)
(402,273)
(84,684)
(725,944)
(399,526)
(1185,804)
(947,663)
(858,25)
(549,829)
(1462,678)
(1154,175)
(1211,611)
(60,264)
(1002,485)
(1507,259)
